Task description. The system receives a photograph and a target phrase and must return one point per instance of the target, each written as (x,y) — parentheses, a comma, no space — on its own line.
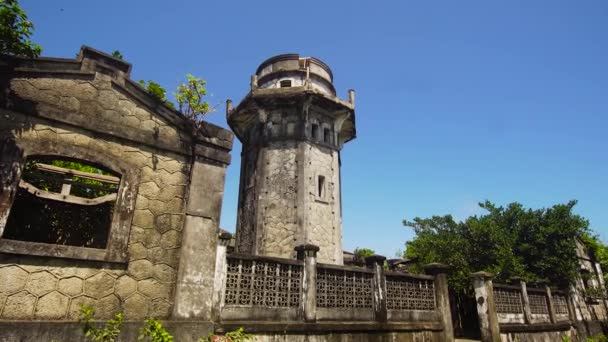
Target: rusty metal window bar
(343,289)
(64,202)
(508,301)
(560,304)
(538,304)
(262,283)
(410,294)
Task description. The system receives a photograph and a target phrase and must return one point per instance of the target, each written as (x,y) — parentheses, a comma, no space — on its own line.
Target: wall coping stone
(337,326)
(91,61)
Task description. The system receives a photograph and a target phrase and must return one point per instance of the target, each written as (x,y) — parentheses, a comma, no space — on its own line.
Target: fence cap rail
(344,268)
(436,268)
(537,290)
(264,258)
(507,287)
(408,275)
(307,247)
(375,259)
(482,275)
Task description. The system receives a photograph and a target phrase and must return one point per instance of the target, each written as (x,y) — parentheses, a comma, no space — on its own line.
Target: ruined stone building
(134,228)
(111,198)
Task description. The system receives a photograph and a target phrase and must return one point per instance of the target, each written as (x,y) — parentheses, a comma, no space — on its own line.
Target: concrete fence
(519,312)
(265,295)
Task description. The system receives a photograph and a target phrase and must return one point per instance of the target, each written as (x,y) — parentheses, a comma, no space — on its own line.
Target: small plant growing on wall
(154,331)
(594,293)
(157,91)
(190,99)
(237,335)
(110,331)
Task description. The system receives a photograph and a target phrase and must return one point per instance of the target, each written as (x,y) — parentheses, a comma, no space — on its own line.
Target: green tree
(190,99)
(506,241)
(362,253)
(15,31)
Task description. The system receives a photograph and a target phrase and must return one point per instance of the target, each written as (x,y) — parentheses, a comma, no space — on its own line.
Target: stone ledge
(327,327)
(34,331)
(519,328)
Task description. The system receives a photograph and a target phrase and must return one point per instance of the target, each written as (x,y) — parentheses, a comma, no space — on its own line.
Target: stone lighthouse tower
(292,127)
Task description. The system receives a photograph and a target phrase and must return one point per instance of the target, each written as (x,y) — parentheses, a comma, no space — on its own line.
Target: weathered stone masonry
(88,109)
(292,127)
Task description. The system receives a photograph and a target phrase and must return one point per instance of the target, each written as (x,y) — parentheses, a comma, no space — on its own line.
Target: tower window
(285,83)
(314,133)
(321,187)
(327,135)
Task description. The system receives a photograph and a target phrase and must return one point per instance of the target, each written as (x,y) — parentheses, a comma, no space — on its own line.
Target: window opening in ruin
(326,135)
(64,202)
(285,83)
(321,187)
(314,131)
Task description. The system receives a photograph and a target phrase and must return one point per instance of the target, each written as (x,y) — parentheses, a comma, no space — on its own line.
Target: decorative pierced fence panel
(507,301)
(403,293)
(343,289)
(538,304)
(262,283)
(560,305)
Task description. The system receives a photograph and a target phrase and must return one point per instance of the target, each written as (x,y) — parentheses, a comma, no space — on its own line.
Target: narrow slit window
(321,187)
(314,132)
(63,202)
(327,135)
(285,83)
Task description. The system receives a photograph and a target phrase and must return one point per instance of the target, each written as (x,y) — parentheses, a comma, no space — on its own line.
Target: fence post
(376,262)
(486,309)
(439,271)
(575,312)
(551,305)
(524,298)
(308,307)
(219,281)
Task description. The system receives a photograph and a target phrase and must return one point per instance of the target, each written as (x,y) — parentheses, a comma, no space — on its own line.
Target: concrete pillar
(308,253)
(196,274)
(571,307)
(524,298)
(486,309)
(376,263)
(439,271)
(11,164)
(221,268)
(228,106)
(254,82)
(602,285)
(574,301)
(551,306)
(351,96)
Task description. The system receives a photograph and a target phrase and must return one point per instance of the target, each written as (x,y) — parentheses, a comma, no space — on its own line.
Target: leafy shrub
(108,334)
(594,292)
(157,91)
(155,331)
(237,335)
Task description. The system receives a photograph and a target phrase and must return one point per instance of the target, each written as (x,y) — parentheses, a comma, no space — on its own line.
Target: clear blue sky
(457,101)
